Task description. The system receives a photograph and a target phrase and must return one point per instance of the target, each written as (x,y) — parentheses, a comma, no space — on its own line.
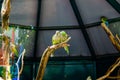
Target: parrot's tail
(67,49)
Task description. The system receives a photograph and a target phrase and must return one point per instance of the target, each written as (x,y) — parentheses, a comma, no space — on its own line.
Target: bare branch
(110,70)
(117,37)
(111,36)
(116,42)
(23,53)
(45,57)
(5,12)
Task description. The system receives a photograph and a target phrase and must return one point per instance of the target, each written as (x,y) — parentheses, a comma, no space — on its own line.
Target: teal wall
(64,70)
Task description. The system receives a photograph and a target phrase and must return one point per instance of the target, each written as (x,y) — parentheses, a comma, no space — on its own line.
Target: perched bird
(64,37)
(59,37)
(56,39)
(104,20)
(13,49)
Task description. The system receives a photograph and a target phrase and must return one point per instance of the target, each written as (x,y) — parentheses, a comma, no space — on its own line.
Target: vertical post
(81,24)
(5,12)
(114,4)
(37,31)
(37,26)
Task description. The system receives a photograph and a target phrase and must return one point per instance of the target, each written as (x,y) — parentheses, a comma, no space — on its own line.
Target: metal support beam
(114,4)
(36,34)
(37,26)
(81,24)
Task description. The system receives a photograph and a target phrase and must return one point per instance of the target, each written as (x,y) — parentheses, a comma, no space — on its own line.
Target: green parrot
(105,20)
(64,37)
(13,49)
(59,37)
(56,39)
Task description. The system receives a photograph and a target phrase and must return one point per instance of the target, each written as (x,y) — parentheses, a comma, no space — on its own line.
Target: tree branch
(5,12)
(110,70)
(22,60)
(115,40)
(45,57)
(116,43)
(118,38)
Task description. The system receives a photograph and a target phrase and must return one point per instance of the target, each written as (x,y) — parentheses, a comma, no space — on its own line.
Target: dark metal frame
(114,4)
(37,26)
(81,24)
(79,19)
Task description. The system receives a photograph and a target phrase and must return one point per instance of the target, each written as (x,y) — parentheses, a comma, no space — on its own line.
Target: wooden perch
(116,42)
(110,70)
(118,38)
(5,12)
(45,57)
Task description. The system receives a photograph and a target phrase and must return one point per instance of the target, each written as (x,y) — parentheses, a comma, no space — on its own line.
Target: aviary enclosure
(12,50)
(13,47)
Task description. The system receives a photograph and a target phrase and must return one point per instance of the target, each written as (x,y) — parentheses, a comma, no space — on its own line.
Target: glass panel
(73,70)
(100,41)
(27,73)
(91,13)
(104,63)
(23,12)
(21,38)
(77,43)
(118,1)
(115,28)
(27,37)
(57,13)
(1,4)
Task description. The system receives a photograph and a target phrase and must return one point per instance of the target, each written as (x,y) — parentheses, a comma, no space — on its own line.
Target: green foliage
(3,72)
